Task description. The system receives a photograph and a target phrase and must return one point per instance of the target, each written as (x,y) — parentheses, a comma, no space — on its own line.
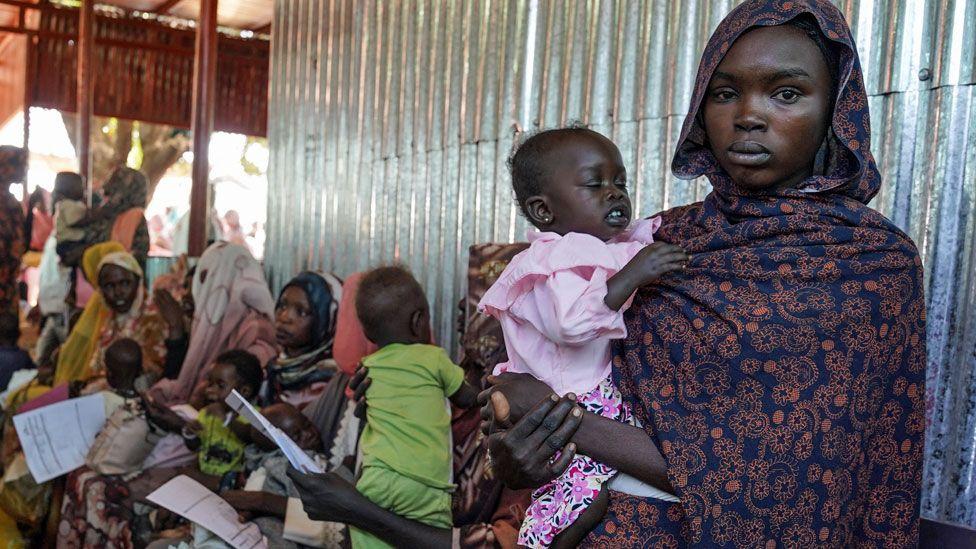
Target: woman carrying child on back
(561,301)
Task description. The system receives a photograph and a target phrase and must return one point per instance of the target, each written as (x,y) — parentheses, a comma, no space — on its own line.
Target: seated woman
(233,309)
(305,317)
(119,309)
(779,379)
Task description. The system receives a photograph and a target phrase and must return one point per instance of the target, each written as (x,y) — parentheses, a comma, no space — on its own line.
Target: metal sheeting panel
(390,122)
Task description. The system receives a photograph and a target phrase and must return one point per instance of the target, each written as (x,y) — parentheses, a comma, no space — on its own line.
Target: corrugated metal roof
(390,123)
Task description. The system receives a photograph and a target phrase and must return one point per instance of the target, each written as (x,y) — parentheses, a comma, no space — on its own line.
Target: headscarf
(324,290)
(126,193)
(782,373)
(126,188)
(120,259)
(351,345)
(75,355)
(228,286)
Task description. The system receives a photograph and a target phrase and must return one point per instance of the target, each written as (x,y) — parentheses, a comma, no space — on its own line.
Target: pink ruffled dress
(557,327)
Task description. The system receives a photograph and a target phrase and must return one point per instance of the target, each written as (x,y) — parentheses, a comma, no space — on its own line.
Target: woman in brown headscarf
(780,378)
(121,218)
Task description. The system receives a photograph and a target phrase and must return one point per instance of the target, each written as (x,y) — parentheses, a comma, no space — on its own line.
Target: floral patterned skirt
(94,513)
(559,503)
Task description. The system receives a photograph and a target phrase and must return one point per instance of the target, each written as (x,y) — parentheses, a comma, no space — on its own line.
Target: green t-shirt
(408,426)
(220,450)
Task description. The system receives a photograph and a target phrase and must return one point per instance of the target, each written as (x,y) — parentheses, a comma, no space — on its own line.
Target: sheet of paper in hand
(185,411)
(296,456)
(194,502)
(57,437)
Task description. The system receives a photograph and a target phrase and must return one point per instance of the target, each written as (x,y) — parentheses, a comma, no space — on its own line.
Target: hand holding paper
(296,456)
(194,502)
(57,437)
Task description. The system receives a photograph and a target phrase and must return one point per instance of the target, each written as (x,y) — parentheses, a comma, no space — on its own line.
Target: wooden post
(28,49)
(27,98)
(204,84)
(86,48)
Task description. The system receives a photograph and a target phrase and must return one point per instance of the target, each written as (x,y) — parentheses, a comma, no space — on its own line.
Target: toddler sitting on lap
(406,442)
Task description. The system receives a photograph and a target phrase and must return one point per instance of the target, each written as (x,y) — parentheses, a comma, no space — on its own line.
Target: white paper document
(57,437)
(185,411)
(194,502)
(296,456)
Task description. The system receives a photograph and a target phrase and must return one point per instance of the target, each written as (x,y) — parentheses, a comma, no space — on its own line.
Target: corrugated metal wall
(390,122)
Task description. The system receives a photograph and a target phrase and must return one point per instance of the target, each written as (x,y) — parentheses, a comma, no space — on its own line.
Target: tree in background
(150,148)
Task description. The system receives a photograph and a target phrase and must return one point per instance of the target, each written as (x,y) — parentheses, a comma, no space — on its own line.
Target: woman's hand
(163,416)
(172,312)
(257,503)
(522,392)
(327,496)
(523,456)
(358,385)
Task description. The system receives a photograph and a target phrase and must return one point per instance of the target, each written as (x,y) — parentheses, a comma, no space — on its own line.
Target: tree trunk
(162,146)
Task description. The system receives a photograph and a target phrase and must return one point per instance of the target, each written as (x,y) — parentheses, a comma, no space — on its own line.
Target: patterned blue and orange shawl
(782,375)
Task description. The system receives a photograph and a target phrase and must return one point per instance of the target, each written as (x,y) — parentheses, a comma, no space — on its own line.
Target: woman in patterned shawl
(125,313)
(13,169)
(780,377)
(121,217)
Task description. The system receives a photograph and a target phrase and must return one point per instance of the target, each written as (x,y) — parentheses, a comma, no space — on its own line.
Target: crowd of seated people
(199,333)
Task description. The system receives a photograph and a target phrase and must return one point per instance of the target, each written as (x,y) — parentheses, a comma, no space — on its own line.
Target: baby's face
(221,380)
(293,423)
(587,189)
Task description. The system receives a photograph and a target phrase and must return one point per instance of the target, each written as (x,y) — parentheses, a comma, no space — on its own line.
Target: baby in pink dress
(561,301)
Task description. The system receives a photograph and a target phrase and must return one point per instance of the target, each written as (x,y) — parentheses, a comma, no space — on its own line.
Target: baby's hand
(193,427)
(656,260)
(652,262)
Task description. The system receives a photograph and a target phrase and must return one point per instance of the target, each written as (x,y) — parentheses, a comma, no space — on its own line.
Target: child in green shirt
(217,435)
(406,464)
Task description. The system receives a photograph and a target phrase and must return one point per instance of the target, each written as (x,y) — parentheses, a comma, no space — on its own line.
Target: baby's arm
(644,268)
(465,397)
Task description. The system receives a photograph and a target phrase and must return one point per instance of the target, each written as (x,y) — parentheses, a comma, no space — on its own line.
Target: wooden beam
(17,30)
(86,48)
(19,4)
(29,42)
(204,96)
(28,66)
(164,8)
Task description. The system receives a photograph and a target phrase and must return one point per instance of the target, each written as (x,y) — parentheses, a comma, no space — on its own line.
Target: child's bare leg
(572,536)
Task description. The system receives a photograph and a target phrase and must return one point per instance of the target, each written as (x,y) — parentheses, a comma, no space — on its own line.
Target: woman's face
(766,110)
(118,287)
(294,318)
